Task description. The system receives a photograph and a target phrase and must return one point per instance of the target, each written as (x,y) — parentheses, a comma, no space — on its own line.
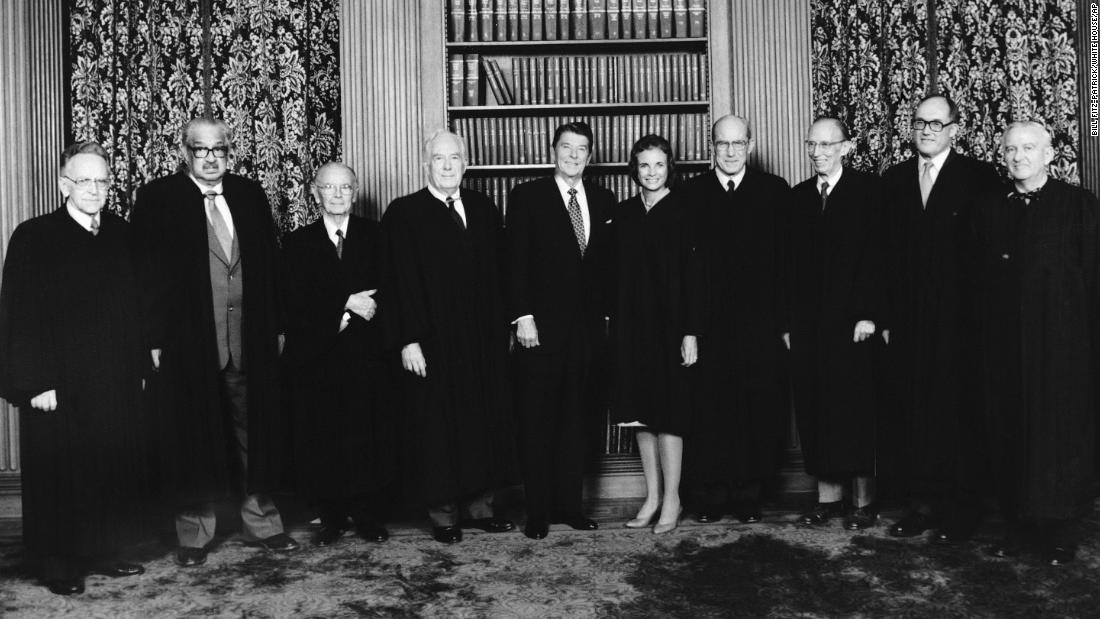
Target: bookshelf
(516,69)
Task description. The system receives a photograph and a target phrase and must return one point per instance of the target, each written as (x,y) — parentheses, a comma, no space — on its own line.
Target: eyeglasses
(201,152)
(736,146)
(811,146)
(936,126)
(328,190)
(86,184)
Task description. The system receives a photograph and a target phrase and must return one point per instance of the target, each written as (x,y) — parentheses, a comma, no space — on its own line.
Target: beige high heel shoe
(641,523)
(668,527)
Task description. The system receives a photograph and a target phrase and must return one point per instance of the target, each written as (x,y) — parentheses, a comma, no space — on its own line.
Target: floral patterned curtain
(1007,60)
(138,75)
(869,80)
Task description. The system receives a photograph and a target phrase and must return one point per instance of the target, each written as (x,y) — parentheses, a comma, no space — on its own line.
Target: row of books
(553,80)
(577,20)
(526,140)
(498,187)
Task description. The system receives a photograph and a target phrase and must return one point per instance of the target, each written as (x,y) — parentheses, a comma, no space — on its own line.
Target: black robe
(1039,303)
(70,321)
(654,309)
(836,260)
(742,406)
(930,413)
(443,290)
(170,228)
(343,439)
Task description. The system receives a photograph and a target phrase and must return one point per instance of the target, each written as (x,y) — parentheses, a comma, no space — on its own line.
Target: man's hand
(45,401)
(886,335)
(864,329)
(155,353)
(280,342)
(412,359)
(689,351)
(362,304)
(526,332)
(786,340)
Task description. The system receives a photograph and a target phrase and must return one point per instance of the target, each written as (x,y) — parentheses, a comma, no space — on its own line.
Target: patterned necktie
(824,194)
(221,230)
(926,183)
(575,217)
(454,213)
(340,244)
(94,227)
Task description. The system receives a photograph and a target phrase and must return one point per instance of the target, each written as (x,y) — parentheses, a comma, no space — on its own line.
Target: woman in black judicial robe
(653,328)
(69,321)
(343,438)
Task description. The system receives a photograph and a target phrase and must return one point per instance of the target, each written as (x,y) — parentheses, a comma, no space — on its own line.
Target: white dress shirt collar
(832,180)
(331,228)
(460,208)
(582,199)
(82,218)
(724,179)
(219,202)
(937,164)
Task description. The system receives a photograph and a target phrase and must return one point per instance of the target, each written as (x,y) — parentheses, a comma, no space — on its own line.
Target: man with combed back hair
(72,360)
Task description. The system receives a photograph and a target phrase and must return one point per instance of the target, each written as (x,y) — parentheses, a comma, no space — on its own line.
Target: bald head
(334,187)
(732,140)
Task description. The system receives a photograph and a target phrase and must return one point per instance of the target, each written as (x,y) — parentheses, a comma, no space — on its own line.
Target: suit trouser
(449,514)
(259,518)
(552,406)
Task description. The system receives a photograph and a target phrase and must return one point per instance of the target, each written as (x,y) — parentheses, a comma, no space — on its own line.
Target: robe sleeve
(406,318)
(149,260)
(868,298)
(27,348)
(518,230)
(313,309)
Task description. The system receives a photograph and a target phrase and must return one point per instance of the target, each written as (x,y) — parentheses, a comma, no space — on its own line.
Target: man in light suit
(557,234)
(206,260)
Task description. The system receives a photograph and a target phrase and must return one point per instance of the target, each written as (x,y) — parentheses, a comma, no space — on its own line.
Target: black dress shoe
(579,523)
(65,586)
(116,569)
(1005,549)
(280,542)
(489,525)
(447,535)
(327,535)
(1058,555)
(372,532)
(822,513)
(536,530)
(913,524)
(749,515)
(861,518)
(708,516)
(190,557)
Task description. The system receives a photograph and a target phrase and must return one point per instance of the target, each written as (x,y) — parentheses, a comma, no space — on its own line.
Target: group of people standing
(938,326)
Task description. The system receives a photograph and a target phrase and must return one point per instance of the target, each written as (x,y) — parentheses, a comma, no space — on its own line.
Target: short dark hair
(648,142)
(839,123)
(952,109)
(577,126)
(82,148)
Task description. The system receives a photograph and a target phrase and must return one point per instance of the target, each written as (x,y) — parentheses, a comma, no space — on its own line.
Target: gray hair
(82,148)
(1029,124)
(221,125)
(425,151)
(336,164)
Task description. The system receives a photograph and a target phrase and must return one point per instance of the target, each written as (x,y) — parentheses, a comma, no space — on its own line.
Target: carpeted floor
(774,569)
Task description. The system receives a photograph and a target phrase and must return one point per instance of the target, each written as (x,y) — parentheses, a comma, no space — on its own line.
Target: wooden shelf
(591,45)
(531,110)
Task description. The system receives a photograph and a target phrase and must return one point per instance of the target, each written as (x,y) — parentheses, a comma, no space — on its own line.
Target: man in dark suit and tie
(343,444)
(928,438)
(835,301)
(557,235)
(207,265)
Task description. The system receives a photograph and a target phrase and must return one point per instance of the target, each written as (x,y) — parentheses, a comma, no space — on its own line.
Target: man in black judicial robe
(1038,261)
(740,220)
(343,444)
(558,235)
(928,436)
(836,294)
(444,312)
(71,359)
(207,266)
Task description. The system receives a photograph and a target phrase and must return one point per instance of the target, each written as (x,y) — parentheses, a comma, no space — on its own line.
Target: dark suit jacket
(547,276)
(172,254)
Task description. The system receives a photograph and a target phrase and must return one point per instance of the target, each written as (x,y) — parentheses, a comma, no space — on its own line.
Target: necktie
(454,213)
(925,183)
(94,227)
(730,187)
(824,194)
(221,230)
(1025,196)
(340,244)
(574,209)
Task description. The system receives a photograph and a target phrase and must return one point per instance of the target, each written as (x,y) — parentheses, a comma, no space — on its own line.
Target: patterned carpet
(775,569)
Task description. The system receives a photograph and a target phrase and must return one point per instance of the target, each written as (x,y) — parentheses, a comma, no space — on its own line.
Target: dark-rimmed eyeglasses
(201,152)
(936,126)
(86,184)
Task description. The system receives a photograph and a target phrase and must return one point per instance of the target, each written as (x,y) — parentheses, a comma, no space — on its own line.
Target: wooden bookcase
(506,91)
